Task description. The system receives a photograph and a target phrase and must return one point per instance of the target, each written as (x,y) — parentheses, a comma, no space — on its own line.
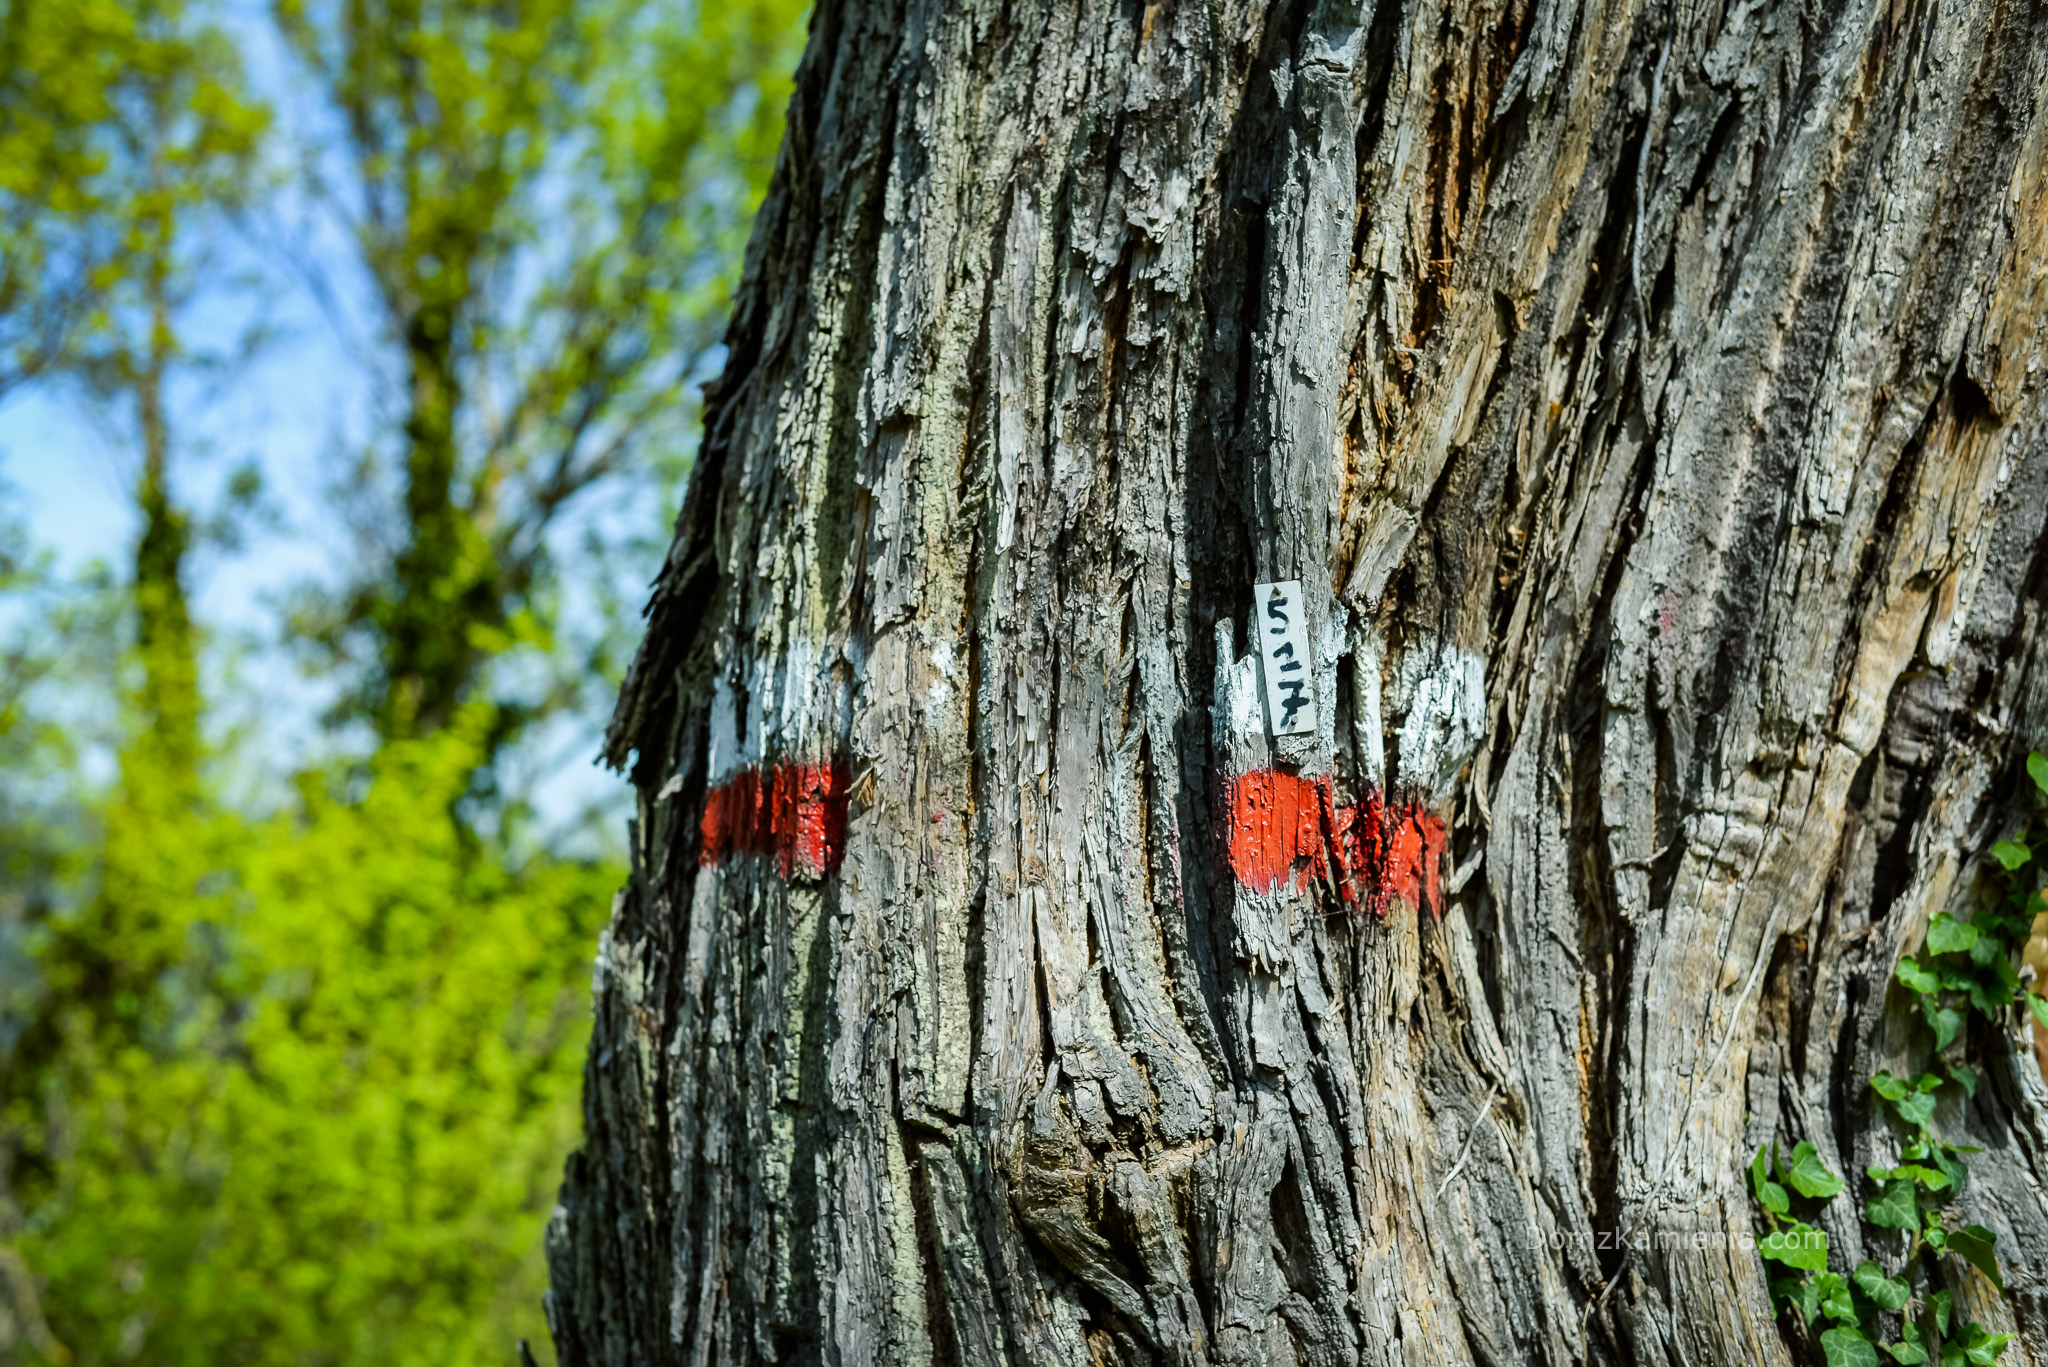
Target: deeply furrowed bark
(1648,398)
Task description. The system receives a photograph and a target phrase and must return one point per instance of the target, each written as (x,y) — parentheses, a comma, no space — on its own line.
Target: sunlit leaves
(1808,1176)
(1847,1347)
(325,1122)
(1768,1193)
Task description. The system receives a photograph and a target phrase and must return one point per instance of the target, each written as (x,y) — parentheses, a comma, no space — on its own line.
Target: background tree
(547,202)
(1647,400)
(292,1064)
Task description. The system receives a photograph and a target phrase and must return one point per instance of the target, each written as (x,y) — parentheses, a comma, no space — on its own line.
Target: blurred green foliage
(551,208)
(114,115)
(310,1077)
(289,1077)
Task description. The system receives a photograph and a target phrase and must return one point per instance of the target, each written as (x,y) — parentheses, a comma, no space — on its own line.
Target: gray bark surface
(1648,397)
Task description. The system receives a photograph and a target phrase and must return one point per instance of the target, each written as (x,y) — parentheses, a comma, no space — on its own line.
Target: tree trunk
(1647,400)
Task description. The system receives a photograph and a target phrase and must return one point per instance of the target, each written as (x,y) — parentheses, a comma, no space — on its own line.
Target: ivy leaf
(1951,1167)
(1980,1347)
(2039,1007)
(1947,935)
(1887,1293)
(1939,1303)
(1798,1293)
(1801,1247)
(2011,853)
(2037,769)
(1916,1109)
(1846,1347)
(1943,1020)
(1897,1207)
(1913,1350)
(1835,1301)
(1889,1087)
(1966,1076)
(1768,1193)
(1973,1243)
(1927,1177)
(1975,1345)
(1915,976)
(1988,994)
(1808,1176)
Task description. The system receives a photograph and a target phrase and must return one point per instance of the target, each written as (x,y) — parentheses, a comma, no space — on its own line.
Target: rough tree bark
(1647,397)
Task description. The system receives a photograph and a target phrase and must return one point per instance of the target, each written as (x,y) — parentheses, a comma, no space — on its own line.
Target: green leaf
(1981,1347)
(1797,1293)
(1916,1109)
(1887,1293)
(1974,1244)
(1889,1087)
(1947,935)
(1897,1207)
(1966,1076)
(2011,853)
(1915,976)
(1989,994)
(1808,1176)
(2037,769)
(1951,1167)
(2038,1006)
(1930,1178)
(1799,1246)
(1768,1193)
(1913,1350)
(1943,1020)
(1846,1347)
(1835,1301)
(1939,1304)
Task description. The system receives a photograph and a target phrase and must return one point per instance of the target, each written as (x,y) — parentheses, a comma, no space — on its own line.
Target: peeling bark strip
(1646,398)
(793,813)
(1288,832)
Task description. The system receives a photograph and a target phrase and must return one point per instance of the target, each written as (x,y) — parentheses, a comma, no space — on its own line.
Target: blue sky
(298,407)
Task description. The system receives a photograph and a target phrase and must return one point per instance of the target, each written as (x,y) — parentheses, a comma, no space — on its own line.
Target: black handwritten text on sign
(1280,619)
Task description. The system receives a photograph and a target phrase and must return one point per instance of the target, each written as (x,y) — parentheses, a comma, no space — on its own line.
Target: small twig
(1601,1299)
(1647,860)
(1566,946)
(1470,1136)
(1464,873)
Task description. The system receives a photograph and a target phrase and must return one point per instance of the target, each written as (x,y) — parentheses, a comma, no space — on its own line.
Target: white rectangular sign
(1280,618)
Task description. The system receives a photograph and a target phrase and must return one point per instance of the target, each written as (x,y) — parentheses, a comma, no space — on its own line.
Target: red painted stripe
(1287,831)
(795,813)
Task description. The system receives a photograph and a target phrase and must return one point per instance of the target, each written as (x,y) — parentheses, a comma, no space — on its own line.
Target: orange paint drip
(792,813)
(1287,832)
